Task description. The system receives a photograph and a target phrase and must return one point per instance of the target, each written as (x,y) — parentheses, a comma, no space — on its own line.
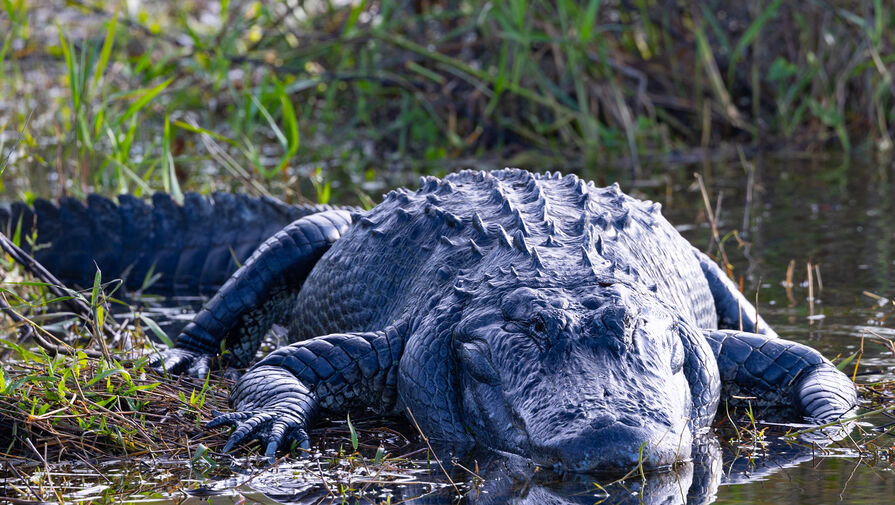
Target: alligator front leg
(279,397)
(258,295)
(780,375)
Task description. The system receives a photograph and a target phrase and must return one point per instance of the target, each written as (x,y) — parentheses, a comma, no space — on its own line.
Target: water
(838,218)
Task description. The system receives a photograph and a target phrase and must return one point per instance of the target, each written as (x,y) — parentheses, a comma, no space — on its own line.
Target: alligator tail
(159,247)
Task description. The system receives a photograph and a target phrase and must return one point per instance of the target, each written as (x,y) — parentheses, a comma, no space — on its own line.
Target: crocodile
(530,314)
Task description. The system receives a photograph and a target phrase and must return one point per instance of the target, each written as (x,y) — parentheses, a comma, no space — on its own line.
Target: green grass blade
(200,130)
(70,67)
(6,41)
(353,433)
(157,331)
(291,124)
(353,17)
(106,51)
(749,35)
(169,174)
(146,96)
(588,20)
(13,148)
(716,26)
(281,138)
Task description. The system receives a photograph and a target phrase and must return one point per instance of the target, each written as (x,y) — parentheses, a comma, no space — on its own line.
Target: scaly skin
(193,248)
(532,314)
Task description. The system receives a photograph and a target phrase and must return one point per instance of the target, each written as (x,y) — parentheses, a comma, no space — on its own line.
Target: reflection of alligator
(536,315)
(503,479)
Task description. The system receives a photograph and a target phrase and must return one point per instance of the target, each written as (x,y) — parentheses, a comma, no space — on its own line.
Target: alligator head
(578,376)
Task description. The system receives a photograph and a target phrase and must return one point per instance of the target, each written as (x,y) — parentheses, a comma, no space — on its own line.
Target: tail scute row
(189,249)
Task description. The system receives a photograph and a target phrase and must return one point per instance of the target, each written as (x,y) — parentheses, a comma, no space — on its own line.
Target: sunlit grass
(352,94)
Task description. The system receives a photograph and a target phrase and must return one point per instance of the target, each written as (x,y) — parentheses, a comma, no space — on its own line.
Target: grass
(84,417)
(209,95)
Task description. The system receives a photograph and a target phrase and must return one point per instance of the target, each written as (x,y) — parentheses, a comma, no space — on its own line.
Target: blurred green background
(337,100)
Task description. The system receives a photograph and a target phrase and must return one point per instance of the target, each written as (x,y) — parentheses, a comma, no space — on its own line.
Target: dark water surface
(839,219)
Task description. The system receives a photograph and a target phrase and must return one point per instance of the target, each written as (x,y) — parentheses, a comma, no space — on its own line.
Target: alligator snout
(615,448)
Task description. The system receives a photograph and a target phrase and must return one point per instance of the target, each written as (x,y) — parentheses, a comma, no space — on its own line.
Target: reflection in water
(505,479)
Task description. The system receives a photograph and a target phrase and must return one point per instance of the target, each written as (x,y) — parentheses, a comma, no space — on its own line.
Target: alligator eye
(542,329)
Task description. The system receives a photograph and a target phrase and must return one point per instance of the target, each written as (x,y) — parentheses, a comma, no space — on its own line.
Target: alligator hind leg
(258,295)
(277,398)
(734,310)
(786,378)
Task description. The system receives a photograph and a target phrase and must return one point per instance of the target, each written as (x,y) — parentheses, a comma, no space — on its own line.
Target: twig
(432,451)
(54,285)
(27,329)
(881,410)
(40,498)
(712,223)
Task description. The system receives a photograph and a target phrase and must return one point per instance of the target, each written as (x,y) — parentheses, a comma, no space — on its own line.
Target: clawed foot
(274,427)
(177,361)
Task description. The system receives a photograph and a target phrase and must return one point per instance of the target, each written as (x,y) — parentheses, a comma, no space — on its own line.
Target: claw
(271,452)
(176,361)
(272,427)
